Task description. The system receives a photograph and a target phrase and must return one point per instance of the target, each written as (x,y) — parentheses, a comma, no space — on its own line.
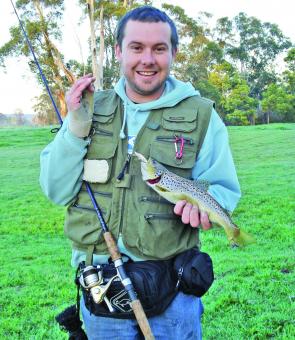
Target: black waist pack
(156,284)
(153,281)
(195,272)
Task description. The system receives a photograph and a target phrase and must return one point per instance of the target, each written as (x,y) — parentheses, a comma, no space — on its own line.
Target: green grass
(253,296)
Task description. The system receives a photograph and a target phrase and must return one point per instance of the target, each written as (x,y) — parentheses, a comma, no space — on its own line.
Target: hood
(175,91)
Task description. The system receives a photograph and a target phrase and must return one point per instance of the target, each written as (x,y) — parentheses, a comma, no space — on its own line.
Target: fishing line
(38,65)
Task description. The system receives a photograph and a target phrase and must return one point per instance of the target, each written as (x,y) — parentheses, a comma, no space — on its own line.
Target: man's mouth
(146,73)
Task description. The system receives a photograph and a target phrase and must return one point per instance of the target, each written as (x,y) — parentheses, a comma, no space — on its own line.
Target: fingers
(179,207)
(205,221)
(190,214)
(194,216)
(73,96)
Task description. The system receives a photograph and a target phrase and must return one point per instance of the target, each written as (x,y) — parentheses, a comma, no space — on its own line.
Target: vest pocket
(103,147)
(160,233)
(160,229)
(104,116)
(82,225)
(105,105)
(186,122)
(165,153)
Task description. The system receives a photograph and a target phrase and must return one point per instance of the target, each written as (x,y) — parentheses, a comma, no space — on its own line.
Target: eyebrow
(140,43)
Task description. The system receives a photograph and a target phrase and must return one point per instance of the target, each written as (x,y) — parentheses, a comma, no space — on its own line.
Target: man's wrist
(79,122)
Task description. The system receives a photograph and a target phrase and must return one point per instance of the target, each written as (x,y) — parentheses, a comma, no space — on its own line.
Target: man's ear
(118,52)
(174,52)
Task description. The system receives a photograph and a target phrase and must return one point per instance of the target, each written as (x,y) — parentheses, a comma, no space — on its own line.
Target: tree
(240,105)
(105,17)
(253,47)
(42,24)
(45,114)
(97,67)
(289,74)
(19,117)
(278,103)
(223,78)
(3,119)
(198,53)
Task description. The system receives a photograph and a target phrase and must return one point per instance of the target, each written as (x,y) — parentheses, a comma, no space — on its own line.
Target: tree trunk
(53,51)
(101,46)
(62,102)
(251,119)
(95,68)
(266,117)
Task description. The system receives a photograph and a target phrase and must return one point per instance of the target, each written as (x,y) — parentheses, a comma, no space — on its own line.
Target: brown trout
(175,188)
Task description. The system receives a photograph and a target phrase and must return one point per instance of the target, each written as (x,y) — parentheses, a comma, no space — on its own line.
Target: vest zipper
(86,207)
(139,134)
(171,139)
(153,200)
(99,131)
(125,166)
(158,216)
(100,193)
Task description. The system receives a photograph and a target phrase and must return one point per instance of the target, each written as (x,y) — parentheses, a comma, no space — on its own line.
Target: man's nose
(147,57)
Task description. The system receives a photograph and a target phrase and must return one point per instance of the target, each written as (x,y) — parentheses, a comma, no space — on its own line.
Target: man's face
(146,57)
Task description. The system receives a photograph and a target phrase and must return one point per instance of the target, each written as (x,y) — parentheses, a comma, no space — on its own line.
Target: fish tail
(243,239)
(237,237)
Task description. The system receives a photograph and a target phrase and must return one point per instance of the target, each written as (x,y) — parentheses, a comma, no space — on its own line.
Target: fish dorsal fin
(201,184)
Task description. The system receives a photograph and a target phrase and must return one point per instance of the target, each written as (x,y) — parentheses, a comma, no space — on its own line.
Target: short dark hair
(146,14)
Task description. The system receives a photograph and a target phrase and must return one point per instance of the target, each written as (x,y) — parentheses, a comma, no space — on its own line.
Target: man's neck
(140,99)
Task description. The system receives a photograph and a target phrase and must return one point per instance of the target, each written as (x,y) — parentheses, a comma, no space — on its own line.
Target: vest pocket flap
(177,121)
(99,158)
(165,154)
(81,224)
(102,146)
(103,117)
(104,111)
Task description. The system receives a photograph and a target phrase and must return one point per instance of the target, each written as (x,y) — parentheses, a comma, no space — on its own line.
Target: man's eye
(136,48)
(160,49)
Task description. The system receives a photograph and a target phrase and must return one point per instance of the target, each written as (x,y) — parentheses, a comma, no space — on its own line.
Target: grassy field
(253,296)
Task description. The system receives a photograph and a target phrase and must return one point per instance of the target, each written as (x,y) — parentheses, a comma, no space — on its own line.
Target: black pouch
(195,272)
(153,281)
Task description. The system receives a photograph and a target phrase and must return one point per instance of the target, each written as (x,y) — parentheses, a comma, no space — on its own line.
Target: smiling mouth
(146,73)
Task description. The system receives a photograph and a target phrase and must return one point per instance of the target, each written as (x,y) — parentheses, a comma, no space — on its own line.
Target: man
(145,112)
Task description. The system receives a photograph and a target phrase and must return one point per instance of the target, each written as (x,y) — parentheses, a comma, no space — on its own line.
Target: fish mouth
(154,180)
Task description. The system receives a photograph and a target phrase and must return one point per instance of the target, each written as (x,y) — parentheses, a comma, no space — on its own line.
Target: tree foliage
(41,20)
(289,74)
(44,111)
(278,103)
(252,46)
(232,63)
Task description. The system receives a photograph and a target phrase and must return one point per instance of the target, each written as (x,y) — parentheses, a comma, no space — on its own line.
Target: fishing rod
(111,244)
(37,64)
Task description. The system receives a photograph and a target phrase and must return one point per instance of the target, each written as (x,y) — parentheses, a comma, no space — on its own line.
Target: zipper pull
(180,272)
(179,152)
(122,172)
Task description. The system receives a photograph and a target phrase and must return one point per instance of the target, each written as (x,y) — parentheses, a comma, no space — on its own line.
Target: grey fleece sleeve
(61,165)
(80,121)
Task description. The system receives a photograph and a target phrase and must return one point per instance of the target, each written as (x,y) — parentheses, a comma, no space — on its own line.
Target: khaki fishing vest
(146,222)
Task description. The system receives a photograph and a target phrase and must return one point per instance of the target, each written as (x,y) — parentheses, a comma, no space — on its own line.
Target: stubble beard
(146,92)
